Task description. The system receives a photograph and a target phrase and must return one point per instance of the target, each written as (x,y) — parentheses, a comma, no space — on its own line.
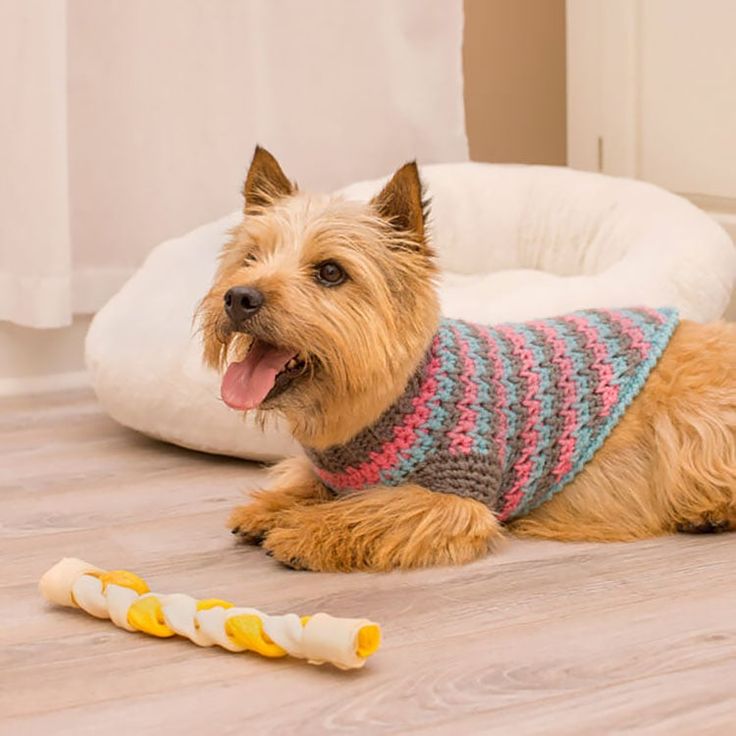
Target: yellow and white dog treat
(125,599)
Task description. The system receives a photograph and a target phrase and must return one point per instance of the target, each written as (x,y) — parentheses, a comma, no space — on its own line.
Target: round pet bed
(514,243)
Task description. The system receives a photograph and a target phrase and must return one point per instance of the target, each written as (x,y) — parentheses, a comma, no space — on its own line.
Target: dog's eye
(330,273)
(250,258)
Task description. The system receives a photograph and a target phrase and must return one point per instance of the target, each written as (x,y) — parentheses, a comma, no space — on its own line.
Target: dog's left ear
(265,182)
(402,203)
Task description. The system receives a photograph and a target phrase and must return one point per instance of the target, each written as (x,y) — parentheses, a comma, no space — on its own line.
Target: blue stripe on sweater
(478,355)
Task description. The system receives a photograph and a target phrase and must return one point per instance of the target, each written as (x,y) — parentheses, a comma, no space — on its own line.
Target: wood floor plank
(541,638)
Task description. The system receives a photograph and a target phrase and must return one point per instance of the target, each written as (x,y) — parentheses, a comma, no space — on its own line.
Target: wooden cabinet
(652,95)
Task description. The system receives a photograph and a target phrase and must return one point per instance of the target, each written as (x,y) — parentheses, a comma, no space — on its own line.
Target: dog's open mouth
(267,371)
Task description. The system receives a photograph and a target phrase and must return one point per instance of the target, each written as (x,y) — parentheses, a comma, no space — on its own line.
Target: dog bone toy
(125,599)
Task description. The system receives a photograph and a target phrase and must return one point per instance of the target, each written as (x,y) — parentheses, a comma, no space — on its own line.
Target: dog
(325,311)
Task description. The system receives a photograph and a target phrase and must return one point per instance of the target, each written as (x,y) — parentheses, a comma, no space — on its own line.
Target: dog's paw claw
(706,526)
(246,537)
(293,564)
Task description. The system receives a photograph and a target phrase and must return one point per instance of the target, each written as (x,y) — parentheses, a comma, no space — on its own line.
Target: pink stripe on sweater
(502,423)
(460,439)
(567,386)
(404,437)
(606,389)
(529,435)
(653,314)
(632,331)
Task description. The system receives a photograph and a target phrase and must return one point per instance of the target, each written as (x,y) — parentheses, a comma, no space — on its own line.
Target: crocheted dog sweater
(509,414)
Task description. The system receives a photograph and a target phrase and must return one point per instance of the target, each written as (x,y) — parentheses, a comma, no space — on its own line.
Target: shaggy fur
(669,465)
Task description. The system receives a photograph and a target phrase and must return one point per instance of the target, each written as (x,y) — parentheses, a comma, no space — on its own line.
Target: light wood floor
(542,638)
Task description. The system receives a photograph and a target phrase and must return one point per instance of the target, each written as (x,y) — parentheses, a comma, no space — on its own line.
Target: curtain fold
(35,248)
(132,121)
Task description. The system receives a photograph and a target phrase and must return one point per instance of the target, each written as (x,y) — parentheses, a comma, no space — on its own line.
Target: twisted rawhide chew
(125,599)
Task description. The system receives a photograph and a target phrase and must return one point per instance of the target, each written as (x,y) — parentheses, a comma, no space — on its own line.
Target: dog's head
(321,308)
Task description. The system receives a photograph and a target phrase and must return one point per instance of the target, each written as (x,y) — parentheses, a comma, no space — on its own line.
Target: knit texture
(509,414)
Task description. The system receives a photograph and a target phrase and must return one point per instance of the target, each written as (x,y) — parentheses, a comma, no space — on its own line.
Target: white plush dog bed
(514,242)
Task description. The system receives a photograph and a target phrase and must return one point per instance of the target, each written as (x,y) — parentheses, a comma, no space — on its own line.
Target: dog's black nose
(242,302)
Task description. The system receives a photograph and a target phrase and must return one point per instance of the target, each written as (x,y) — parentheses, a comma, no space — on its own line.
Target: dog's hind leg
(695,428)
(382,529)
(670,464)
(692,406)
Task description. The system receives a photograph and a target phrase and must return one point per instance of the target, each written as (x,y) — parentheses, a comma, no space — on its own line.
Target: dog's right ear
(265,183)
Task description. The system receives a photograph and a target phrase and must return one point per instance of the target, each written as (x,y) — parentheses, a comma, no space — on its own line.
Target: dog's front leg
(294,484)
(384,528)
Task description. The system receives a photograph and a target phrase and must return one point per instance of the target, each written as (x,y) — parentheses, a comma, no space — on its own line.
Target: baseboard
(44,384)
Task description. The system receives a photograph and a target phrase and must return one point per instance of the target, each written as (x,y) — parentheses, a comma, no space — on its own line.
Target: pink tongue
(246,384)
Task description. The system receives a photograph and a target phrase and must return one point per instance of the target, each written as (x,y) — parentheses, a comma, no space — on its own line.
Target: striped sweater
(509,414)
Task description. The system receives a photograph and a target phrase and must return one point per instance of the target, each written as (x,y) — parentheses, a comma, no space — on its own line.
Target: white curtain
(124,122)
(35,246)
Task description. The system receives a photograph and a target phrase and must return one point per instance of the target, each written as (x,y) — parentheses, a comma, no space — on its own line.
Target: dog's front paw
(289,547)
(251,522)
(299,541)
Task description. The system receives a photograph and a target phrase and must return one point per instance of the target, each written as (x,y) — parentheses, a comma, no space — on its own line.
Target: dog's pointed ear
(265,182)
(402,203)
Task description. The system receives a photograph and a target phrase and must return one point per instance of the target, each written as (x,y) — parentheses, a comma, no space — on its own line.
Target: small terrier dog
(426,439)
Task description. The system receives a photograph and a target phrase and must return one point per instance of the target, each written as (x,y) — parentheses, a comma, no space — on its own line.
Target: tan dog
(323,309)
